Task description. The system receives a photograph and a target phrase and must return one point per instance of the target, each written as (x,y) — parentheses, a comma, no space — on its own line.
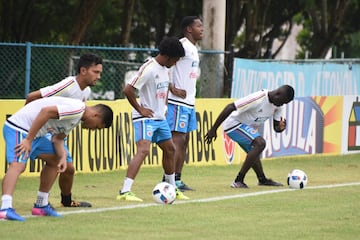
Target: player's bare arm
(129,92)
(211,134)
(177,91)
(44,115)
(33,96)
(58,142)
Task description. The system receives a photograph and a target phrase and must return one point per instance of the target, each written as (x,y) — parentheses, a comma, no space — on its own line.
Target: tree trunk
(211,79)
(84,13)
(126,23)
(327,27)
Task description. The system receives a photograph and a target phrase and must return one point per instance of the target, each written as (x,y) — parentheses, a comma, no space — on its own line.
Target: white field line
(212,199)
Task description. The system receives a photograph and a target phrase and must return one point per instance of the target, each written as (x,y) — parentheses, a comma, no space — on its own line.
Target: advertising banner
(113,148)
(308,78)
(315,125)
(351,126)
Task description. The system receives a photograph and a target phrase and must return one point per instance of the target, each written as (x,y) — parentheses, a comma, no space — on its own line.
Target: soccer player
(181,114)
(241,119)
(25,134)
(148,116)
(89,69)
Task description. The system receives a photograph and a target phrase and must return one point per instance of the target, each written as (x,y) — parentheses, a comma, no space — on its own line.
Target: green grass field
(323,210)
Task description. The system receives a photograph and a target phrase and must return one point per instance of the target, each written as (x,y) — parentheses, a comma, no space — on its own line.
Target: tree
(253,26)
(85,13)
(326,23)
(126,21)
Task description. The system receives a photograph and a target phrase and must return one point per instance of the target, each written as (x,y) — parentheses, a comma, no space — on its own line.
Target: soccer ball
(297,179)
(164,193)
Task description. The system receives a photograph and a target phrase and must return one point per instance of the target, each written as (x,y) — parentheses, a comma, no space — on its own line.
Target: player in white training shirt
(89,69)
(241,120)
(150,125)
(181,114)
(26,135)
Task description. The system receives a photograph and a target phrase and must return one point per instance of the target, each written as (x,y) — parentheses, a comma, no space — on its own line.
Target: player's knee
(144,151)
(19,168)
(70,169)
(171,150)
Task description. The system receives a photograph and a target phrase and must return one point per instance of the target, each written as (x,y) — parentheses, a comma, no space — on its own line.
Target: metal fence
(26,67)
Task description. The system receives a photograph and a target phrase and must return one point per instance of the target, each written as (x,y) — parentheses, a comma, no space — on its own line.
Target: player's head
(99,116)
(87,60)
(172,49)
(192,28)
(89,70)
(282,95)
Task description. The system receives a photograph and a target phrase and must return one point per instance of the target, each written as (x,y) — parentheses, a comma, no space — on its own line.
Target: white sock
(128,182)
(42,199)
(6,201)
(170,179)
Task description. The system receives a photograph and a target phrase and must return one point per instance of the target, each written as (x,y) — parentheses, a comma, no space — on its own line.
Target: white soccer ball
(164,193)
(297,179)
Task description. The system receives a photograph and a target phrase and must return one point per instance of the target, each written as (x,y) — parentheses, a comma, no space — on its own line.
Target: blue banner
(308,78)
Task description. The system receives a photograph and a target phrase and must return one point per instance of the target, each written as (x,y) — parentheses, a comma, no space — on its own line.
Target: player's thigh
(244,135)
(50,159)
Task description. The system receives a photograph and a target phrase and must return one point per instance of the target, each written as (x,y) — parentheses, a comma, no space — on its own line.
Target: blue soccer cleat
(47,210)
(10,214)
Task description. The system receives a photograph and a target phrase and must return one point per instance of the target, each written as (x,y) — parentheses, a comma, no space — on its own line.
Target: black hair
(171,47)
(290,92)
(87,60)
(187,21)
(107,114)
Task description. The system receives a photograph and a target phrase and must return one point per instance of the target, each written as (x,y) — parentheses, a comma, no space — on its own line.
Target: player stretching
(242,117)
(89,69)
(26,135)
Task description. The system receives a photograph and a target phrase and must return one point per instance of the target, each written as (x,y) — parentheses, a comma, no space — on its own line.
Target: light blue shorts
(181,118)
(244,135)
(155,131)
(39,145)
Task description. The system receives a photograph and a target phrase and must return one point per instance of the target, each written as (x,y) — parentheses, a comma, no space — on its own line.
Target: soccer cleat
(47,210)
(239,185)
(180,195)
(77,204)
(269,182)
(10,214)
(128,196)
(182,186)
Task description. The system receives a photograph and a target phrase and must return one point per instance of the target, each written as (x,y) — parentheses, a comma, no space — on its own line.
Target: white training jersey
(152,81)
(68,87)
(253,110)
(185,73)
(70,114)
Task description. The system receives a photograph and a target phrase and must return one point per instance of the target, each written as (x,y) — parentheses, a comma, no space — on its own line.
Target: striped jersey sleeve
(59,89)
(139,79)
(250,101)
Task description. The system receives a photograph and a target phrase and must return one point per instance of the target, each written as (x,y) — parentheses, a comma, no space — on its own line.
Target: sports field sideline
(211,199)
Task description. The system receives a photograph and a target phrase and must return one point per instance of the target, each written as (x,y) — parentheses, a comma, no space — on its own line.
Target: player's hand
(23,148)
(146,112)
(62,165)
(282,124)
(210,136)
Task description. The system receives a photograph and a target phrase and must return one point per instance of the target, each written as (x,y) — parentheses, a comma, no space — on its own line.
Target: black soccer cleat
(77,204)
(269,182)
(183,187)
